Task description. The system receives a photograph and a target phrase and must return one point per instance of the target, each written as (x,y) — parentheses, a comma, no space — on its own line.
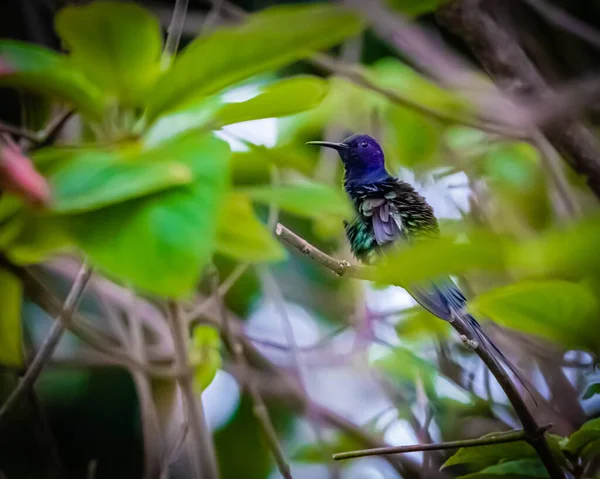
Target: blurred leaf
(196,116)
(561,311)
(518,182)
(414,8)
(439,257)
(411,139)
(570,250)
(242,236)
(591,391)
(526,468)
(254,165)
(37,236)
(267,40)
(417,322)
(11,296)
(481,457)
(41,70)
(311,200)
(346,105)
(161,242)
(393,74)
(95,179)
(282,98)
(401,365)
(586,435)
(117,44)
(204,355)
(318,453)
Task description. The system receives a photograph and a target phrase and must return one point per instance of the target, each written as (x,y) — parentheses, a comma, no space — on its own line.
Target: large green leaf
(95,179)
(570,250)
(242,236)
(41,70)
(526,468)
(586,435)
(160,243)
(480,457)
(117,44)
(311,200)
(281,98)
(267,40)
(11,295)
(205,356)
(561,311)
(447,255)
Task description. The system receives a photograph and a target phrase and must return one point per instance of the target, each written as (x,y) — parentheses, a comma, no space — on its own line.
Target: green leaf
(526,468)
(561,311)
(281,98)
(439,257)
(242,236)
(417,323)
(43,71)
(414,8)
(403,367)
(584,436)
(591,391)
(412,139)
(160,243)
(570,250)
(205,356)
(481,457)
(518,182)
(11,294)
(317,453)
(117,44)
(392,74)
(95,179)
(311,200)
(267,40)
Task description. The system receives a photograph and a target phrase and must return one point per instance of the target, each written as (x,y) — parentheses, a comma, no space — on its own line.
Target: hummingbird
(387,211)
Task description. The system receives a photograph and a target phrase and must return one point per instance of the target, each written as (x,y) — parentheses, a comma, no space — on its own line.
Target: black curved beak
(329,144)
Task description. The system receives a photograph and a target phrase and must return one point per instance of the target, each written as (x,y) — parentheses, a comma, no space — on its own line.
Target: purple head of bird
(362,157)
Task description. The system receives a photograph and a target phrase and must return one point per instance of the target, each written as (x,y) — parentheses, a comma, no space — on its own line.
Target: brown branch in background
(151,433)
(566,22)
(204,457)
(236,348)
(508,64)
(51,341)
(534,433)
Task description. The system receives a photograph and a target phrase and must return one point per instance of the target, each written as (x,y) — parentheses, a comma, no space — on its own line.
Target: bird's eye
(364,144)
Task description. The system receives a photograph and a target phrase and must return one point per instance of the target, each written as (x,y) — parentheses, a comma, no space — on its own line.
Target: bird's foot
(469,343)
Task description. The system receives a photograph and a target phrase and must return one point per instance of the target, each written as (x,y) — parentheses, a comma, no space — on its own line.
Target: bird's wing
(385,217)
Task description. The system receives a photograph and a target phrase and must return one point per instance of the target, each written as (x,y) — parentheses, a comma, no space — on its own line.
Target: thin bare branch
(204,457)
(259,407)
(339,267)
(501,438)
(50,342)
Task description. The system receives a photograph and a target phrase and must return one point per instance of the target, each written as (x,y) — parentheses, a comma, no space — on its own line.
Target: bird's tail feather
(487,342)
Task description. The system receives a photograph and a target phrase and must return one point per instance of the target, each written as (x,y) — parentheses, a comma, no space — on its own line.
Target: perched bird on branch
(389,210)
